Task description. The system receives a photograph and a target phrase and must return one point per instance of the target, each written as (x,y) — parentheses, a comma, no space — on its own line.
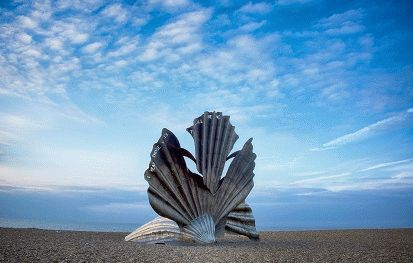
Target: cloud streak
(367,131)
(97,72)
(14,128)
(386,164)
(260,8)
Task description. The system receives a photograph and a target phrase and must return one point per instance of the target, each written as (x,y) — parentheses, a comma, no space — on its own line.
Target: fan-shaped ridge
(159,230)
(214,138)
(241,221)
(201,205)
(201,229)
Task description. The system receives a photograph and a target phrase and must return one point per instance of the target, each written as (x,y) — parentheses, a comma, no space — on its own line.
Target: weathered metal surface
(164,230)
(201,229)
(159,230)
(201,204)
(241,221)
(214,138)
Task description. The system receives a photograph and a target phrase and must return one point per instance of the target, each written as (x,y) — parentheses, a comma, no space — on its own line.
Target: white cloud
(123,50)
(120,63)
(138,21)
(24,38)
(290,2)
(366,131)
(79,38)
(7,138)
(74,113)
(92,48)
(402,182)
(191,48)
(186,23)
(311,173)
(73,35)
(387,164)
(117,12)
(81,5)
(180,37)
(169,5)
(181,45)
(223,66)
(42,10)
(27,22)
(348,22)
(75,167)
(116,206)
(252,26)
(328,61)
(346,28)
(150,53)
(338,19)
(396,175)
(243,61)
(14,128)
(259,8)
(31,52)
(317,180)
(230,77)
(403,175)
(54,43)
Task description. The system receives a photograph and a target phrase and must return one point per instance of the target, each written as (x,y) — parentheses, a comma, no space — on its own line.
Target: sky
(325,88)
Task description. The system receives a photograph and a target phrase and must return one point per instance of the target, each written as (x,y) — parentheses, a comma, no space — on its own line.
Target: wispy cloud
(27,22)
(117,12)
(260,8)
(386,164)
(367,131)
(76,168)
(127,207)
(348,22)
(160,63)
(405,182)
(169,5)
(252,26)
(291,2)
(319,179)
(180,37)
(397,175)
(14,128)
(91,48)
(322,61)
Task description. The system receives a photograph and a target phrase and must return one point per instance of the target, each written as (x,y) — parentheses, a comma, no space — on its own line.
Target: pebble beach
(35,245)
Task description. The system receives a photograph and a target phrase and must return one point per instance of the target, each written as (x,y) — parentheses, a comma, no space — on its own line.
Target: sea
(97,226)
(129,227)
(74,226)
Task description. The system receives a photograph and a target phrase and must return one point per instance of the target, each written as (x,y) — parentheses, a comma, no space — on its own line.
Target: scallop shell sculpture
(199,207)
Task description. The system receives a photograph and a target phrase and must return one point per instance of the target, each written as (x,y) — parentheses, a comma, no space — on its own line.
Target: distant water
(129,227)
(99,226)
(61,225)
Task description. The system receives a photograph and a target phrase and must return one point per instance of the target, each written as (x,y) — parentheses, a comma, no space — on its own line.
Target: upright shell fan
(203,207)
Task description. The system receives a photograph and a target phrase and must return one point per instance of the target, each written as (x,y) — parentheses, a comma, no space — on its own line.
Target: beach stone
(384,245)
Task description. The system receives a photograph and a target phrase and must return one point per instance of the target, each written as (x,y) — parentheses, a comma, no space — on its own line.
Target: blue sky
(325,88)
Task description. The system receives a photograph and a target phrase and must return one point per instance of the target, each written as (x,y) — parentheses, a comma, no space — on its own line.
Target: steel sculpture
(195,207)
